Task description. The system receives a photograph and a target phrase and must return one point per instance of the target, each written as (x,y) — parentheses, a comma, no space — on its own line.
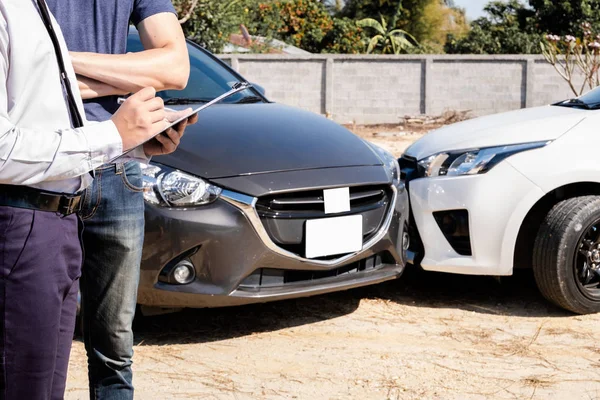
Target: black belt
(35,199)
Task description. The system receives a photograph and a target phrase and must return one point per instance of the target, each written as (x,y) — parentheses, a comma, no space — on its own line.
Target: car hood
(521,126)
(243,139)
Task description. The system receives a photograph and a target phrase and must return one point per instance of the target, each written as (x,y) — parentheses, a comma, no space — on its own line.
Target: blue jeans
(113,216)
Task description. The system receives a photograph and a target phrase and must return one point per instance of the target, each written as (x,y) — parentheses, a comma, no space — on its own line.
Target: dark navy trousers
(40,267)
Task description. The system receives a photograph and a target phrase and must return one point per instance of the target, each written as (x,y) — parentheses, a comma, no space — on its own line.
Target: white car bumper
(496,202)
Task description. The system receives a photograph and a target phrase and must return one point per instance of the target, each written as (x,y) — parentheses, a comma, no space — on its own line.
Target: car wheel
(566,255)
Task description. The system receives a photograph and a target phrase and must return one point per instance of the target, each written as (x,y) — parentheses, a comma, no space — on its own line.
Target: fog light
(454,224)
(183,273)
(405,241)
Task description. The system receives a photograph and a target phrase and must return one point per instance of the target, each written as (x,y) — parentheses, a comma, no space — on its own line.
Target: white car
(513,190)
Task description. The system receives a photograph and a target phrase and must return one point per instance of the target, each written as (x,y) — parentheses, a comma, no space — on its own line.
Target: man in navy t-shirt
(96,34)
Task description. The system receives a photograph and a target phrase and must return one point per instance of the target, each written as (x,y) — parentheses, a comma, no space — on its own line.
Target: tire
(557,260)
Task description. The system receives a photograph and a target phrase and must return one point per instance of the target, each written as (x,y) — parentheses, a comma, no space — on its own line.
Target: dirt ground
(425,336)
(390,137)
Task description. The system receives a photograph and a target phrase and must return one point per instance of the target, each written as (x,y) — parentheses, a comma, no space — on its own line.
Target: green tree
(387,38)
(429,21)
(564,17)
(210,22)
(307,24)
(507,28)
(346,37)
(302,23)
(515,28)
(361,9)
(334,6)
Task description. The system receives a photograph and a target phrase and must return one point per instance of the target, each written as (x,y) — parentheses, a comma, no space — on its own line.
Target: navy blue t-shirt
(101,26)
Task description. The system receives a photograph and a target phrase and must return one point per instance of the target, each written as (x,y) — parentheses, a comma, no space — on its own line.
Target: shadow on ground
(208,325)
(515,296)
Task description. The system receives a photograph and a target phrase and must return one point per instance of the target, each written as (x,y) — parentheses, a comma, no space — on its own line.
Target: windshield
(592,97)
(208,78)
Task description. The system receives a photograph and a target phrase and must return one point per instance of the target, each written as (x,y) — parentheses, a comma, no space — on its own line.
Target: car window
(208,78)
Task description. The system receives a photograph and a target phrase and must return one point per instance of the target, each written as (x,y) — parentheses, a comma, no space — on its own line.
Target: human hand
(140,117)
(168,141)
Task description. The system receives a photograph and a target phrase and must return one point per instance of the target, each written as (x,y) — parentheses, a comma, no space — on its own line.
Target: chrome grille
(284,215)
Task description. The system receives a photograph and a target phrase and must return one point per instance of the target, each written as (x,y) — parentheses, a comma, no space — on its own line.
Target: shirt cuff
(137,154)
(104,142)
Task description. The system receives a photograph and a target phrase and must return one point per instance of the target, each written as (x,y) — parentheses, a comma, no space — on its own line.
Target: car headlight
(167,187)
(391,164)
(471,162)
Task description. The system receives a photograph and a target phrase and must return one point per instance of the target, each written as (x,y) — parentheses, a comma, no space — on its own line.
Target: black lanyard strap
(76,119)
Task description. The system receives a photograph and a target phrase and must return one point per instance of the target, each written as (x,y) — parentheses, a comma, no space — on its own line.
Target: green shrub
(346,37)
(301,23)
(212,21)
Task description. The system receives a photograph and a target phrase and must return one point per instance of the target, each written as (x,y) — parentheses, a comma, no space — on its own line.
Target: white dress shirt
(38,146)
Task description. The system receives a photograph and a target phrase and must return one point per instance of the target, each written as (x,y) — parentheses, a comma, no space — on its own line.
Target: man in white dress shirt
(46,152)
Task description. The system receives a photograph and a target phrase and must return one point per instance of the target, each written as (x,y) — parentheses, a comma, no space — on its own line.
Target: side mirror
(260,89)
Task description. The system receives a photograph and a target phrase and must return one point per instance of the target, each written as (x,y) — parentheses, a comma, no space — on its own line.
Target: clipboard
(236,88)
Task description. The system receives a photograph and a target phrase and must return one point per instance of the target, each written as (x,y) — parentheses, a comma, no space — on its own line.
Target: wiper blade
(575,103)
(184,100)
(249,100)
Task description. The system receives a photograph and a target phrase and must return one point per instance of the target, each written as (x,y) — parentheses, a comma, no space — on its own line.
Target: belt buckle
(69,205)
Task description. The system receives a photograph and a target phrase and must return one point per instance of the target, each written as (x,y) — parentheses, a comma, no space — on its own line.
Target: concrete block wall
(549,89)
(375,92)
(297,83)
(370,89)
(482,86)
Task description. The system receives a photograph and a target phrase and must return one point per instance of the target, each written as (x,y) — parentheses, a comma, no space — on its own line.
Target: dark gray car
(237,214)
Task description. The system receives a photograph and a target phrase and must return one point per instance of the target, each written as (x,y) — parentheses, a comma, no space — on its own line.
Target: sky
(474,7)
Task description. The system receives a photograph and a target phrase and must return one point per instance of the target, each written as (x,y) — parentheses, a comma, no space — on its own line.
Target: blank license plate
(332,236)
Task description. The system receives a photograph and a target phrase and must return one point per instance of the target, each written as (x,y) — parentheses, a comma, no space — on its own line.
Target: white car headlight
(391,164)
(167,187)
(471,162)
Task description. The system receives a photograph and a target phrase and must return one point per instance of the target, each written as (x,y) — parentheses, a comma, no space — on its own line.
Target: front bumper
(225,243)
(497,203)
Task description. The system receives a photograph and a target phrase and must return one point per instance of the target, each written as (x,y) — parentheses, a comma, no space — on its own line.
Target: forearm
(159,68)
(91,89)
(163,65)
